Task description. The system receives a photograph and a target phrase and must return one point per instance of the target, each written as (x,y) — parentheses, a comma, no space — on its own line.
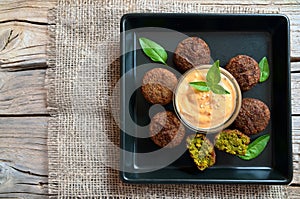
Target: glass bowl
(205,111)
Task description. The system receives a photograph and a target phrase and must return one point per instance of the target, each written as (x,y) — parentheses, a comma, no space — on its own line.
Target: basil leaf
(264,69)
(153,50)
(201,86)
(213,75)
(218,89)
(256,147)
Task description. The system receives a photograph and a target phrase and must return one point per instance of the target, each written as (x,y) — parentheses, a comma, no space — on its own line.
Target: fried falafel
(253,117)
(191,52)
(245,70)
(166,130)
(158,85)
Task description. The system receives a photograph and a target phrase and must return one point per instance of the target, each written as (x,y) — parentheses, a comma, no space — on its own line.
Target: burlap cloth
(83,68)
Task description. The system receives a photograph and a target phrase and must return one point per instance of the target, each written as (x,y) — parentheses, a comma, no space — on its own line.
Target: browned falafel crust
(165,128)
(158,85)
(191,52)
(245,70)
(254,116)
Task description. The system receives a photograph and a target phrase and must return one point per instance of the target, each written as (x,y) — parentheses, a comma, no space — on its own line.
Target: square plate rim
(123,176)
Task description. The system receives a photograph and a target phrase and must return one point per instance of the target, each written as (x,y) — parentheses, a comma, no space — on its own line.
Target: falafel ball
(166,130)
(245,70)
(191,52)
(232,141)
(158,85)
(253,117)
(201,150)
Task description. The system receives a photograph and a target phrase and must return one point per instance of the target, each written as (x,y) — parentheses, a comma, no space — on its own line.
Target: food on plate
(153,50)
(201,150)
(232,141)
(245,70)
(206,99)
(256,147)
(213,78)
(264,69)
(158,85)
(166,130)
(253,117)
(191,52)
(206,111)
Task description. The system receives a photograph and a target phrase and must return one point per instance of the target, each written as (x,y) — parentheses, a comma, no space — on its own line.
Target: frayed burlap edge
(51,105)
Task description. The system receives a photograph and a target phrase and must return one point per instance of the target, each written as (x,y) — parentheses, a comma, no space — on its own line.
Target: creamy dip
(204,110)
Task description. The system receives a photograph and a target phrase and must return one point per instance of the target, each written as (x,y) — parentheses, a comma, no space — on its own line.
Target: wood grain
(22,46)
(294,192)
(296,149)
(23,33)
(295,66)
(235,2)
(34,11)
(23,140)
(295,92)
(292,11)
(23,92)
(23,159)
(286,2)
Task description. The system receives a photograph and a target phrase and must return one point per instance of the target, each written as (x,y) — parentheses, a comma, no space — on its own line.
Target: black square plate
(227,36)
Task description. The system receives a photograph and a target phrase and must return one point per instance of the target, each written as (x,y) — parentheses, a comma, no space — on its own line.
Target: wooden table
(23,112)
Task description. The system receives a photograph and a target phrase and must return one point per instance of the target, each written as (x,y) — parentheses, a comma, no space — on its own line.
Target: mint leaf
(264,69)
(218,89)
(201,86)
(153,50)
(213,75)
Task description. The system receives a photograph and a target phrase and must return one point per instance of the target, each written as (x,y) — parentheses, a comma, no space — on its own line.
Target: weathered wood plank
(294,192)
(23,140)
(23,92)
(296,149)
(295,92)
(22,45)
(286,2)
(16,183)
(234,2)
(32,10)
(23,33)
(23,159)
(295,66)
(292,11)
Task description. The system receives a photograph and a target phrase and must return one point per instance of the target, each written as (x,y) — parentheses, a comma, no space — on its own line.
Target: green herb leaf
(213,75)
(264,69)
(153,50)
(218,89)
(256,147)
(201,86)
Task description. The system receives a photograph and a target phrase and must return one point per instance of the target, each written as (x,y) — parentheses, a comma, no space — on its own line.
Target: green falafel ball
(232,141)
(201,150)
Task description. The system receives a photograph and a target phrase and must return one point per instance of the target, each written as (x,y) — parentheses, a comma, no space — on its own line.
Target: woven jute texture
(83,69)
